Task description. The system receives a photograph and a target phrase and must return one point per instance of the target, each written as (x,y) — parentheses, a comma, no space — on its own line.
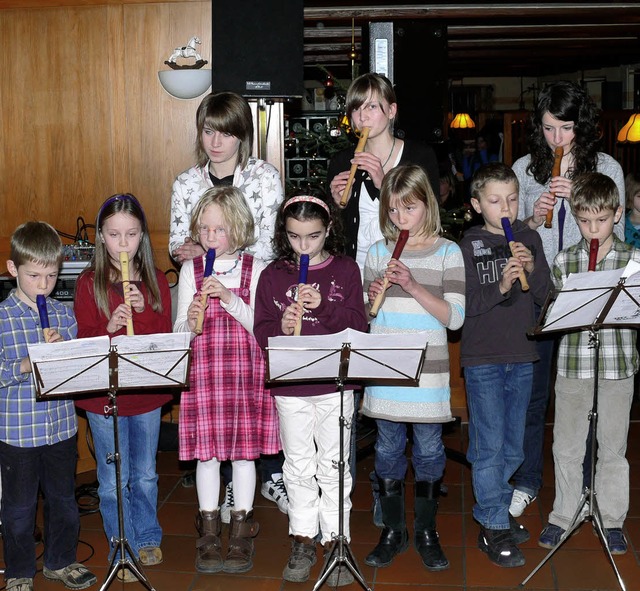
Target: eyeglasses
(204,231)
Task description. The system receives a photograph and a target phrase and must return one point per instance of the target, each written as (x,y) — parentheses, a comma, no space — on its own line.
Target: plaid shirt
(23,421)
(618,355)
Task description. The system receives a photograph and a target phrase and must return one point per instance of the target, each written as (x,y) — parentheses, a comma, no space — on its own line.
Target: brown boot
(208,557)
(241,533)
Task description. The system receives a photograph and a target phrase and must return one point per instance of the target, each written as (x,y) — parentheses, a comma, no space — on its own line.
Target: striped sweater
(440,269)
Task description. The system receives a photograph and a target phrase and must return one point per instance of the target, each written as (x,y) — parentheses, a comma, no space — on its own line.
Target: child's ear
(11,267)
(101,237)
(618,214)
(476,205)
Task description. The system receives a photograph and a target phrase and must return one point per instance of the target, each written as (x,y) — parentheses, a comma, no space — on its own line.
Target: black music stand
(164,367)
(360,357)
(591,301)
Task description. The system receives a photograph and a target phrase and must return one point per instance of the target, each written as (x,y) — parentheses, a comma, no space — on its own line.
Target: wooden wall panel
(83,113)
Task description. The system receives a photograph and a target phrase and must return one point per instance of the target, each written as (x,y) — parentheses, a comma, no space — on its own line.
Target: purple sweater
(342,306)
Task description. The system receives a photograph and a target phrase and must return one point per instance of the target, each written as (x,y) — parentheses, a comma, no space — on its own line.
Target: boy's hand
(25,365)
(54,336)
(510,274)
(523,254)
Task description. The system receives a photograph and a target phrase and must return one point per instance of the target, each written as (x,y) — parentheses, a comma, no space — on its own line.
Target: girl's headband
(120,197)
(309,199)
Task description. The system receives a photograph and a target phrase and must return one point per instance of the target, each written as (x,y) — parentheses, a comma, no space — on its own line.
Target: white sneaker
(519,502)
(227,504)
(275,491)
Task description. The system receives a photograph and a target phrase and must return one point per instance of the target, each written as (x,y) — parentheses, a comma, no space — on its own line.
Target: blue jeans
(24,469)
(428,457)
(138,439)
(528,477)
(497,396)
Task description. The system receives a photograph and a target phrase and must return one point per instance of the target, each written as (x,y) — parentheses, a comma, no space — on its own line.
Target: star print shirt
(259,182)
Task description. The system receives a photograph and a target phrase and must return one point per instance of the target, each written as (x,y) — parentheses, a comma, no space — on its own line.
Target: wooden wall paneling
(84,115)
(160,128)
(55,125)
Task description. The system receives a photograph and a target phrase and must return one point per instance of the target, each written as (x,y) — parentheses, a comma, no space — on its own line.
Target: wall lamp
(186,81)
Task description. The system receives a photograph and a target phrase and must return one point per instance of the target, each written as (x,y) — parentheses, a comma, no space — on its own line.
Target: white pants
(310,435)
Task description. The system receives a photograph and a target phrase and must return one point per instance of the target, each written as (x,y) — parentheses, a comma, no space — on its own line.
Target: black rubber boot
(426,539)
(394,537)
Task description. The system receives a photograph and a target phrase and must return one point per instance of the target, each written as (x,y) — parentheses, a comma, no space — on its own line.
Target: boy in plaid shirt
(596,207)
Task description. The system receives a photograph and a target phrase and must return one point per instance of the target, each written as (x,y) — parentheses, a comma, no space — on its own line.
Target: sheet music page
(385,356)
(157,359)
(584,295)
(71,360)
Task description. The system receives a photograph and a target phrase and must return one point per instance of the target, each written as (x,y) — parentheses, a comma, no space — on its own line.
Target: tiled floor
(580,564)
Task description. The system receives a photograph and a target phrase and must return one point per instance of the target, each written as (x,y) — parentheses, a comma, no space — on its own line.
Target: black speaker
(413,54)
(258,47)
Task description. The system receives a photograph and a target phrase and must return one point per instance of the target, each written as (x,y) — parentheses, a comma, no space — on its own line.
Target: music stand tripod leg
(589,494)
(122,545)
(340,552)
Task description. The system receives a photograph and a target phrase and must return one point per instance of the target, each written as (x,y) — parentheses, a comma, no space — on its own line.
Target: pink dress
(227,414)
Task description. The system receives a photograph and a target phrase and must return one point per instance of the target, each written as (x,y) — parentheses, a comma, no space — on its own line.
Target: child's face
(33,279)
(374,113)
(213,230)
(307,237)
(498,200)
(220,147)
(597,224)
(410,216)
(121,232)
(558,133)
(636,202)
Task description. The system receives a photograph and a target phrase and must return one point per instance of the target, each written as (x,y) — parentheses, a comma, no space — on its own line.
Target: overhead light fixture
(462,121)
(630,132)
(187,81)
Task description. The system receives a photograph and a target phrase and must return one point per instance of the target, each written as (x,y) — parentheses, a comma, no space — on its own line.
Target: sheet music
(154,353)
(82,365)
(584,295)
(79,365)
(373,356)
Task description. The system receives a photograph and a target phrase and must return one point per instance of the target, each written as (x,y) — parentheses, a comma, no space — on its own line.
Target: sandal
(74,576)
(126,575)
(150,556)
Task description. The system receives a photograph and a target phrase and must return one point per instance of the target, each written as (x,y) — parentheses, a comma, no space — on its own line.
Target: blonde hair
(237,215)
(594,191)
(408,184)
(36,242)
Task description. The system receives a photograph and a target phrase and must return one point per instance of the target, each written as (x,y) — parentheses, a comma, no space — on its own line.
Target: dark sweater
(342,306)
(496,325)
(413,153)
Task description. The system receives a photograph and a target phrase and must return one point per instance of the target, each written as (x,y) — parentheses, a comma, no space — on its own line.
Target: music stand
(360,357)
(58,374)
(590,301)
